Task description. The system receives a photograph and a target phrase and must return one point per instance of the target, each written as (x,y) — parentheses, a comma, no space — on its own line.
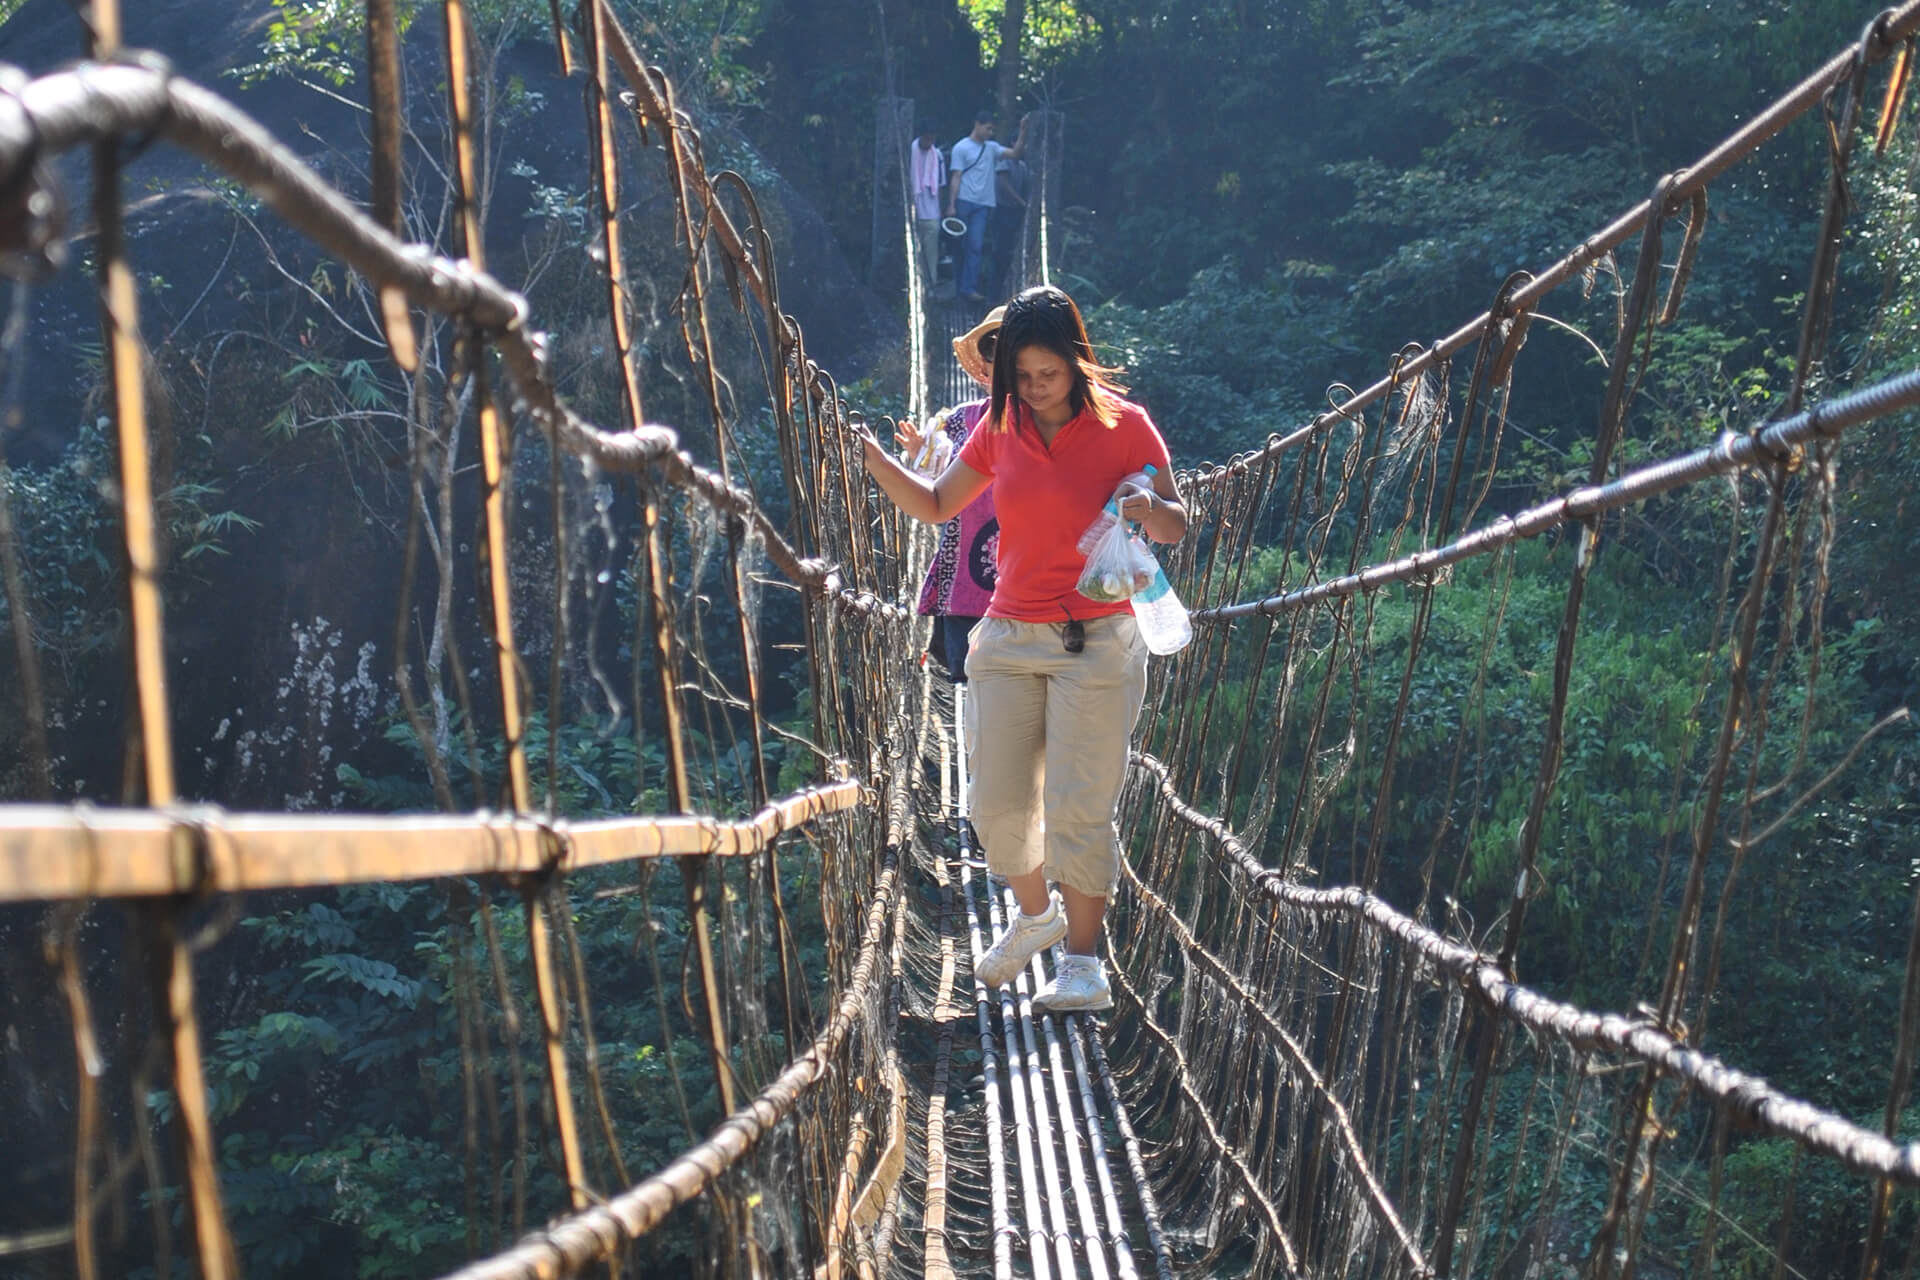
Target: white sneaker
(1026,937)
(1079,985)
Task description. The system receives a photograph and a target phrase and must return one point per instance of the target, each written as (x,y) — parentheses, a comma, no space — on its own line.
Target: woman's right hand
(1133,484)
(870,448)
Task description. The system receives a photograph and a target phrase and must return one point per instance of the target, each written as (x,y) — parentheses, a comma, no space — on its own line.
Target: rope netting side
(1337,1086)
(698,552)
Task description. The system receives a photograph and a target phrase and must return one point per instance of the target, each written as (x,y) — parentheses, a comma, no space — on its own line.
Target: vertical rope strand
(553,1025)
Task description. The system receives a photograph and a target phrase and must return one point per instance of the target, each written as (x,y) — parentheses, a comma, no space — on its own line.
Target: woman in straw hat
(960,580)
(1057,679)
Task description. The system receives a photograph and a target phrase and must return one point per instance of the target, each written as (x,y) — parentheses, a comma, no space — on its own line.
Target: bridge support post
(1038,251)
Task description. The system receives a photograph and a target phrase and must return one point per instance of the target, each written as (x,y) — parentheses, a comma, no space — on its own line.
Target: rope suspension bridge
(1317,1065)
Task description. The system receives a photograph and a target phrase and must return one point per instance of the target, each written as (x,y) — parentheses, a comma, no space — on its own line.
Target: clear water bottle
(1109,516)
(1163,620)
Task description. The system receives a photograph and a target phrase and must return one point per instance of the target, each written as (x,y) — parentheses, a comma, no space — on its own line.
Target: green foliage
(1830,1206)
(1637,722)
(875,398)
(1421,151)
(1456,225)
(68,531)
(323,42)
(1881,469)
(325,1095)
(338,1091)
(1053,29)
(65,527)
(1218,366)
(313,40)
(593,774)
(1535,124)
(705,42)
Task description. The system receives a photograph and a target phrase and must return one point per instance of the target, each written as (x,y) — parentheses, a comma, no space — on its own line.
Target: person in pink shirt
(1057,679)
(929,172)
(960,580)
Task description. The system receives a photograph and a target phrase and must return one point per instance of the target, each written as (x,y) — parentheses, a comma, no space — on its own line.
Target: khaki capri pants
(1047,736)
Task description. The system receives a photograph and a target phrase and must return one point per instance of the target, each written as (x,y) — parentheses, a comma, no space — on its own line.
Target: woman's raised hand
(909,437)
(926,449)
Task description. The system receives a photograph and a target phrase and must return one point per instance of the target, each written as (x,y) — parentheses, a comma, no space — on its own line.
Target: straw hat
(966,347)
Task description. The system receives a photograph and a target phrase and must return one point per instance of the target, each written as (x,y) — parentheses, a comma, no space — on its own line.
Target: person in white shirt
(974,166)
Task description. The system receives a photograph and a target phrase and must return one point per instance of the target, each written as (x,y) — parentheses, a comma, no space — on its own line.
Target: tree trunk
(1013,21)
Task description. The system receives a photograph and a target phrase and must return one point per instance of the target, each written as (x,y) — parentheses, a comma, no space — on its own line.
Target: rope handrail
(1749,1097)
(1888,33)
(49,853)
(94,102)
(1732,452)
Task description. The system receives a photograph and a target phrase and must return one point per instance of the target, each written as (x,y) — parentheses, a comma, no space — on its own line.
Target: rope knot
(190,849)
(31,209)
(1783,456)
(556,844)
(1663,204)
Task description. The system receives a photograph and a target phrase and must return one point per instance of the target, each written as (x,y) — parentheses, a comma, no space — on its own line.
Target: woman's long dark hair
(1044,316)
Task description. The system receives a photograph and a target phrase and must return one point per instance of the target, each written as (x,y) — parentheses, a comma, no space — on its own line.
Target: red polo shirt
(1047,495)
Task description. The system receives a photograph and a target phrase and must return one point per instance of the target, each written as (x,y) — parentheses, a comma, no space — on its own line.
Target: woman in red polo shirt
(1057,679)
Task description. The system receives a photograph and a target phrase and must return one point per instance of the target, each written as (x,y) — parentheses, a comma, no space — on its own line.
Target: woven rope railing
(575,1243)
(49,853)
(182,854)
(1732,453)
(1343,1083)
(1754,1100)
(44,116)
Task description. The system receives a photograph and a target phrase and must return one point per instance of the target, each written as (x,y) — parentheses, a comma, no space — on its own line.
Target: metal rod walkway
(1063,1199)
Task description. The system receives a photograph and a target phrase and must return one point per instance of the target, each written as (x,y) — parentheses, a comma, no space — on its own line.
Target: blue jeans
(967,278)
(954,630)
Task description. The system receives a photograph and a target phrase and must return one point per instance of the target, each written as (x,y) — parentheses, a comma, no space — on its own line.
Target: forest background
(1260,199)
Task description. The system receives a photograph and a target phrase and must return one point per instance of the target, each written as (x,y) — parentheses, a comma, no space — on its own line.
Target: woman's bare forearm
(1167,522)
(1158,508)
(934,501)
(911,493)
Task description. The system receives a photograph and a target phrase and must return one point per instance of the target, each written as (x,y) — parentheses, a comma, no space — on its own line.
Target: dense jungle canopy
(1260,198)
